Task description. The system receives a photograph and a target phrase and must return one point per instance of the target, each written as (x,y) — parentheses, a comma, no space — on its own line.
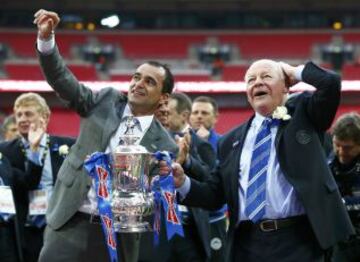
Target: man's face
(145,89)
(162,113)
(345,150)
(11,132)
(177,121)
(25,115)
(202,114)
(265,86)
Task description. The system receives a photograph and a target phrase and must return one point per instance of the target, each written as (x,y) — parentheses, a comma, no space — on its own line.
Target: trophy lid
(128,146)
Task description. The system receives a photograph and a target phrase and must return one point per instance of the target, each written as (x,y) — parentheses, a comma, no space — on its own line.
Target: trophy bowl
(132,199)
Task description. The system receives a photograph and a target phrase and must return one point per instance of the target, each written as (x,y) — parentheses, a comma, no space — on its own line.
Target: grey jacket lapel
(151,137)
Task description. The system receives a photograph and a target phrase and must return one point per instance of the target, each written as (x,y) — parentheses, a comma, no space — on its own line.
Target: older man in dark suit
(70,236)
(283,202)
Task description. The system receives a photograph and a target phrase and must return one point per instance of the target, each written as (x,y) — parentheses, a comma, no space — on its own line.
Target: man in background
(10,246)
(198,158)
(37,154)
(345,166)
(9,128)
(195,220)
(203,118)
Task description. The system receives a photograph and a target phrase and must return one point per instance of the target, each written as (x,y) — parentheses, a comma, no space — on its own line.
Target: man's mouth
(138,92)
(260,94)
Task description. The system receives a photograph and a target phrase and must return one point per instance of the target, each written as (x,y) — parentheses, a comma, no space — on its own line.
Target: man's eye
(151,82)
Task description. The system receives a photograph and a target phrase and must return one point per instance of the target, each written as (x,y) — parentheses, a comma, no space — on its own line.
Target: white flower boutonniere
(63,150)
(0,155)
(281,113)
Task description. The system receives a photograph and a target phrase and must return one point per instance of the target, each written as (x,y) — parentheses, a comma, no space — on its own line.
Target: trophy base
(133,228)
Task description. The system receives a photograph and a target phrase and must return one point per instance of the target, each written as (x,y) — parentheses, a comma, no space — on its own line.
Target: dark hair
(347,127)
(208,99)
(10,119)
(168,83)
(183,102)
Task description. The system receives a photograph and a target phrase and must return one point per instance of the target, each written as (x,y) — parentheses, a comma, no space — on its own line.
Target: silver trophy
(132,199)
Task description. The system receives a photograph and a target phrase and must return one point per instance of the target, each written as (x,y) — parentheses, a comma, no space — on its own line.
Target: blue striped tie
(256,190)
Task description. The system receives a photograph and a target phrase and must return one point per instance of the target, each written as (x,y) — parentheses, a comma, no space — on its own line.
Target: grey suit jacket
(100,113)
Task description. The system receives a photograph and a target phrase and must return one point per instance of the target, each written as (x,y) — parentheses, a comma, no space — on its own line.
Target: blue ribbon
(165,194)
(98,168)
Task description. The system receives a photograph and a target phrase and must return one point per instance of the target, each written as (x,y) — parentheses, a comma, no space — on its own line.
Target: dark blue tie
(256,190)
(38,221)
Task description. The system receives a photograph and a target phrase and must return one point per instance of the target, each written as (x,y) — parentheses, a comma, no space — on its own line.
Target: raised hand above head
(289,74)
(46,22)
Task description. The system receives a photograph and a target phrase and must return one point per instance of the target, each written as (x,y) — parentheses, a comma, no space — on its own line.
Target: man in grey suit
(69,235)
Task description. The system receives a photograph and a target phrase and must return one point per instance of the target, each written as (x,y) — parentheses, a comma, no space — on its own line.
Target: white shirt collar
(43,142)
(258,119)
(145,121)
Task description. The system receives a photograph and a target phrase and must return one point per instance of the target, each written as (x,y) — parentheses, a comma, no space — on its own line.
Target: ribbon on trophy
(165,195)
(98,168)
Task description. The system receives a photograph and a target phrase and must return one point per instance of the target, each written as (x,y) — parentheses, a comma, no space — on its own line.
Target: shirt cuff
(34,157)
(46,46)
(184,189)
(298,72)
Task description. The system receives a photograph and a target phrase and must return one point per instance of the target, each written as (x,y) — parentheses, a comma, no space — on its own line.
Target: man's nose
(139,83)
(21,118)
(341,151)
(258,81)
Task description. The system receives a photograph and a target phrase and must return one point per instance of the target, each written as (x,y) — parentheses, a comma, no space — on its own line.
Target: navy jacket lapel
(237,146)
(56,159)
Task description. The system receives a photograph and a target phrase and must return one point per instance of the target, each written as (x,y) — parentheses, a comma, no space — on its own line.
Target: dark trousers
(348,251)
(290,244)
(8,251)
(80,240)
(33,238)
(218,240)
(188,248)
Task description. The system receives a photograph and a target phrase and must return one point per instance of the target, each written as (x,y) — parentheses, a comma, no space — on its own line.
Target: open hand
(184,147)
(36,131)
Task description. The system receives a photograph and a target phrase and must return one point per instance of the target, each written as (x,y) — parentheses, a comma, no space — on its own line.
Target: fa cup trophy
(132,198)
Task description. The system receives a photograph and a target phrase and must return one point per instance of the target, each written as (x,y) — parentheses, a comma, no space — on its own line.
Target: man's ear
(186,115)
(164,97)
(286,89)
(46,119)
